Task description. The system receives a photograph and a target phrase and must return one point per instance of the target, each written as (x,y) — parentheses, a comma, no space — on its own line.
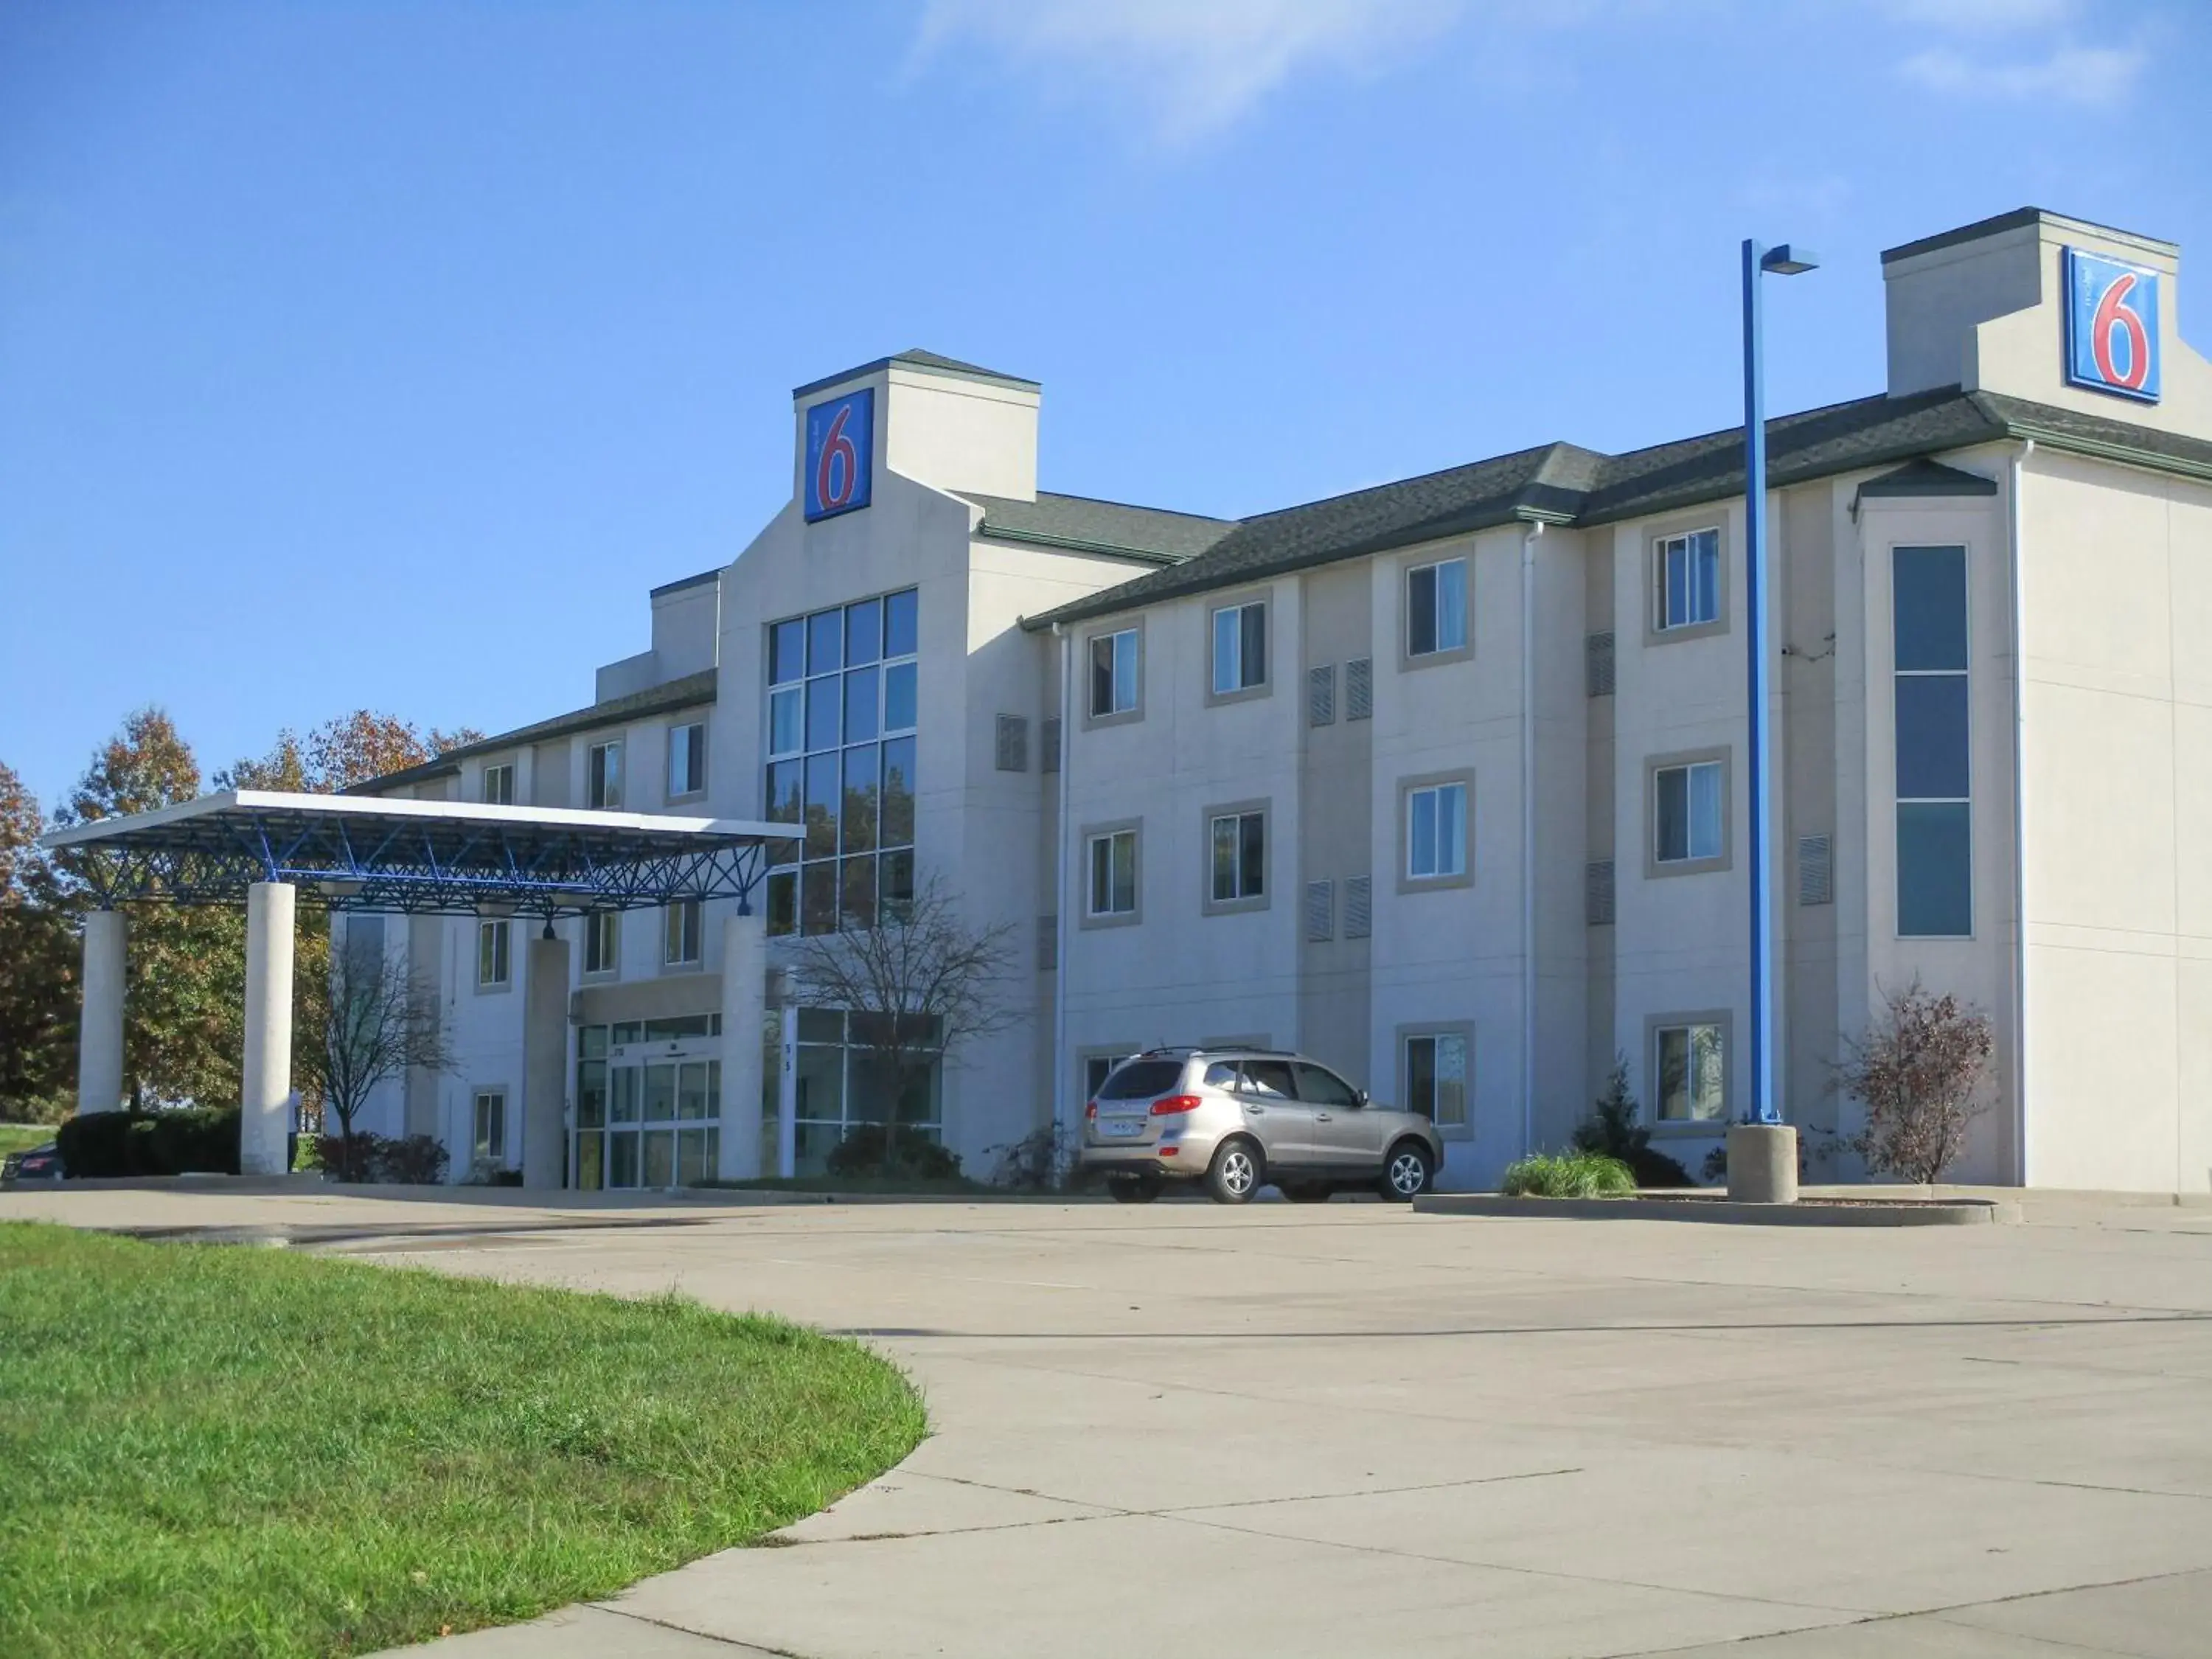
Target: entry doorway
(648,1104)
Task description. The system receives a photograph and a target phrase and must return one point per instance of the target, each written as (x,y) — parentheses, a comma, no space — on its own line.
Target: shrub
(1568,1174)
(1042,1161)
(1612,1129)
(1919,1072)
(410,1160)
(912,1156)
(182,1141)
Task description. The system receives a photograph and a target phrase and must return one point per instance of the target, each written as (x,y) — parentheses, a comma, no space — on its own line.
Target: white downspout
(2019,1004)
(1063,921)
(1528,837)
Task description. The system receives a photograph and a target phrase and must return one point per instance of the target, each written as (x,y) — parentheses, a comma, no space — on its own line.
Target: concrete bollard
(1762,1163)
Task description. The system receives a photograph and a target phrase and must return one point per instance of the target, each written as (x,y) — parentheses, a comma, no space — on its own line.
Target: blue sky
(385,354)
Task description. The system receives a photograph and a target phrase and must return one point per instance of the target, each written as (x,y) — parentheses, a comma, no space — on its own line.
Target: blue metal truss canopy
(349,853)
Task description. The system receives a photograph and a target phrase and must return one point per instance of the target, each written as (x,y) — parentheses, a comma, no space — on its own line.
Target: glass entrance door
(648,1105)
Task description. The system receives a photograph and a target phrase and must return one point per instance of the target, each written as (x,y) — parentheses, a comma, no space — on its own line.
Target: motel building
(1441,782)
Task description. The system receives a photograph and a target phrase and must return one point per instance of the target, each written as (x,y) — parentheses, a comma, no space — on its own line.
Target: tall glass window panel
(1933,712)
(692,1096)
(603,780)
(1687,819)
(787,652)
(860,692)
(786,726)
(621,1158)
(824,713)
(824,791)
(680,937)
(859,811)
(660,1159)
(1240,647)
(782,903)
(787,791)
(826,641)
(591,1093)
(817,898)
(1436,1078)
(1114,673)
(1435,831)
(659,1093)
(895,877)
(899,697)
(1688,571)
(1436,608)
(623,1094)
(1239,856)
(864,632)
(602,942)
(896,821)
(902,624)
(1114,874)
(1693,1082)
(857,903)
(1935,869)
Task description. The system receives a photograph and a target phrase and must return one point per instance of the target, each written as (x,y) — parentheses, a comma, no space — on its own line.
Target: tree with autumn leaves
(183,1021)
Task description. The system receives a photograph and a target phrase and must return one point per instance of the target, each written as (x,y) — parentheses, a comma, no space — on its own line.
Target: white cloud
(1200,64)
(2098,77)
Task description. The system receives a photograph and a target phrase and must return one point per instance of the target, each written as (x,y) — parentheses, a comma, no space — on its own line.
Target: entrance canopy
(350,853)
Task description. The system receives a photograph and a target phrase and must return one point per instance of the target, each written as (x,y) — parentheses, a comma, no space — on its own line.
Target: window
(687,759)
(1113,674)
(1113,866)
(841,1086)
(1319,1086)
(1934,810)
(1237,854)
(1435,831)
(491,953)
(680,938)
(1685,572)
(491,1125)
(1240,648)
(1688,816)
(499,785)
(1689,1061)
(1436,608)
(843,701)
(602,942)
(602,786)
(1435,1077)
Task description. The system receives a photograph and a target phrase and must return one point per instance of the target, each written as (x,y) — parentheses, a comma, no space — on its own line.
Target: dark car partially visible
(32,1164)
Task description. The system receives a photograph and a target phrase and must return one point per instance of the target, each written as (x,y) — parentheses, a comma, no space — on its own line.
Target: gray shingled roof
(688,692)
(1151,533)
(1559,484)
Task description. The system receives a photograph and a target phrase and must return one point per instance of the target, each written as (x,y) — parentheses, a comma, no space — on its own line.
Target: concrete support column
(744,997)
(99,1026)
(265,1087)
(1762,1163)
(545,1064)
(786,1098)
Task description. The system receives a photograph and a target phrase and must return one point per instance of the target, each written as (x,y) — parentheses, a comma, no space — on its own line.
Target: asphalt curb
(1806,1213)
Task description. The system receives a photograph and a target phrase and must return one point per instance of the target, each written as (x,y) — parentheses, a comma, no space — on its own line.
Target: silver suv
(1238,1119)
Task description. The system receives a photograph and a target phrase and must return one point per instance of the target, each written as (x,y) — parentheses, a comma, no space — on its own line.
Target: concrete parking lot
(1297,1431)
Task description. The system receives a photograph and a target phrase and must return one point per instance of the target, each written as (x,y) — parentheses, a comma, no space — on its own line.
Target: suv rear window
(1140,1079)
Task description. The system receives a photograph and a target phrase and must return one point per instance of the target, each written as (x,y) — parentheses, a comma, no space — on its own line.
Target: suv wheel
(1134,1190)
(1406,1171)
(1235,1174)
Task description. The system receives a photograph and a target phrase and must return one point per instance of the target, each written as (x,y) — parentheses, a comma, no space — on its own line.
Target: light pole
(1783,261)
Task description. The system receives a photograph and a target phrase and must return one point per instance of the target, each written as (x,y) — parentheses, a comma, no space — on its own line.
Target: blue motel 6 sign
(2111,326)
(840,453)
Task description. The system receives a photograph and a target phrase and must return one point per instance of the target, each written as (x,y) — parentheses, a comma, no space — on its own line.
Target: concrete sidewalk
(1347,1429)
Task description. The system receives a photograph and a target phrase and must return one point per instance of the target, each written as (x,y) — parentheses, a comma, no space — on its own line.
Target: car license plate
(1120,1128)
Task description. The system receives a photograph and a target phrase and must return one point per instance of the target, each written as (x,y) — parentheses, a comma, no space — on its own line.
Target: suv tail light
(1091,1111)
(1168,1105)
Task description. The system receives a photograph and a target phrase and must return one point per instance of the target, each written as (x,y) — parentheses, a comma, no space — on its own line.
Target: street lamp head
(1788,260)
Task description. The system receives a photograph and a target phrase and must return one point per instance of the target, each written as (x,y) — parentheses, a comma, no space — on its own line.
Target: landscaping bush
(1612,1128)
(410,1160)
(912,1156)
(1568,1174)
(183,1140)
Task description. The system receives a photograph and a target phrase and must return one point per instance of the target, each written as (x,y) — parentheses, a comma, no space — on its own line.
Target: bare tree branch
(918,983)
(378,1022)
(1919,1071)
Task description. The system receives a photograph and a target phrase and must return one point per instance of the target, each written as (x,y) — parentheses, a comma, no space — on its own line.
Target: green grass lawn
(21,1137)
(223,1449)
